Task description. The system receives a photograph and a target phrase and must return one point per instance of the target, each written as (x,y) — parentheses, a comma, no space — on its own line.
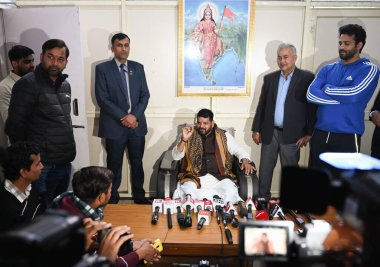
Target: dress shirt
(11,188)
(283,86)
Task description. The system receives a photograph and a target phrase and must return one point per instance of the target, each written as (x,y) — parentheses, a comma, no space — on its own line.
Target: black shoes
(143,201)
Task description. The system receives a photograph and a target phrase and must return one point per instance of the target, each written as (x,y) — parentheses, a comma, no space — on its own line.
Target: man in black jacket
(39,111)
(18,201)
(284,121)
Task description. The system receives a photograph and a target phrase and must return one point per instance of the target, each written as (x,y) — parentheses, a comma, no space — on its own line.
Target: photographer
(91,192)
(19,202)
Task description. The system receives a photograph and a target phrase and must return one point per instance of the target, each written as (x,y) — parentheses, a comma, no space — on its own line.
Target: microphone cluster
(225,213)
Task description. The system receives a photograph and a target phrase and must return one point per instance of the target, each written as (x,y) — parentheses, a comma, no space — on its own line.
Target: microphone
(188,203)
(229,206)
(276,211)
(203,218)
(168,206)
(234,221)
(261,204)
(280,213)
(218,203)
(208,205)
(157,207)
(227,231)
(308,217)
(178,209)
(249,204)
(299,221)
(199,204)
(242,209)
(262,215)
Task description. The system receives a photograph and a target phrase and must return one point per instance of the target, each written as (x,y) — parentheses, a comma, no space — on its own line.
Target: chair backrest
(230,130)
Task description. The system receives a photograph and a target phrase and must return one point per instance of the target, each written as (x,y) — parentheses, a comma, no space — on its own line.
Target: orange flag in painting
(228,13)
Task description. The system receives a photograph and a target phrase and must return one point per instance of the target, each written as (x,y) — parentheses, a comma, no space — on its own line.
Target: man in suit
(284,121)
(374,116)
(122,94)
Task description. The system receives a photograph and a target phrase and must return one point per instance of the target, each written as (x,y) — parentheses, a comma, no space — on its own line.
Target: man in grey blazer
(122,93)
(284,121)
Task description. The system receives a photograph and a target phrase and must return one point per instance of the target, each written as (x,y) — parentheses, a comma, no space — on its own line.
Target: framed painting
(215,41)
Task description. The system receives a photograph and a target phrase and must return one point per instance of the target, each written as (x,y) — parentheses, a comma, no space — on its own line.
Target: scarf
(192,163)
(95,214)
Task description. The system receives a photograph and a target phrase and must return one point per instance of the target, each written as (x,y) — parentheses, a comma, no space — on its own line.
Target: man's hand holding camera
(113,240)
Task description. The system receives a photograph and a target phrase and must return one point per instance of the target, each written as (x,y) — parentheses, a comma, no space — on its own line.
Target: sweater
(342,92)
(14,212)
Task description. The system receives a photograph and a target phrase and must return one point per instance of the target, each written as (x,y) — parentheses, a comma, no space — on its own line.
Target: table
(189,245)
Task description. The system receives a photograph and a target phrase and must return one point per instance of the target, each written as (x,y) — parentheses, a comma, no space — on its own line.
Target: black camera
(351,184)
(125,248)
(43,241)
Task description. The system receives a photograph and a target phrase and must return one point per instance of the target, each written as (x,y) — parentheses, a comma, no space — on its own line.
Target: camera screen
(265,241)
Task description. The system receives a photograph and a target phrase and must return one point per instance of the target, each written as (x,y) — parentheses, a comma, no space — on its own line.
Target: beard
(203,131)
(22,72)
(54,71)
(346,55)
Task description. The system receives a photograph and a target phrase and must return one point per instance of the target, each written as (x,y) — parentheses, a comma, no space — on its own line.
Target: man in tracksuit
(342,90)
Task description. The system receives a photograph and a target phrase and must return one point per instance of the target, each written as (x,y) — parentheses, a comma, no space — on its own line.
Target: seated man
(19,202)
(91,192)
(208,153)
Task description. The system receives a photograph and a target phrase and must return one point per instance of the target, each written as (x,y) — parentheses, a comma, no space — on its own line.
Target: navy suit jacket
(111,98)
(299,115)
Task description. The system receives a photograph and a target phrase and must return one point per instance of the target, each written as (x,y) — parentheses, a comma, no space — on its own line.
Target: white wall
(152,27)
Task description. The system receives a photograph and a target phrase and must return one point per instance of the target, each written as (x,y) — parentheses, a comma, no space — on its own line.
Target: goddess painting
(205,37)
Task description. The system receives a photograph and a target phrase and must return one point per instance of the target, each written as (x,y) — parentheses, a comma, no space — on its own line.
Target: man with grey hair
(284,121)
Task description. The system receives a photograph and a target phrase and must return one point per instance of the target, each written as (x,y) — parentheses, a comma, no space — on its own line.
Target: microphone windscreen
(262,215)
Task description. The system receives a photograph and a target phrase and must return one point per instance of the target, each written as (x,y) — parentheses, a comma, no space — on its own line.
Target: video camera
(53,239)
(351,184)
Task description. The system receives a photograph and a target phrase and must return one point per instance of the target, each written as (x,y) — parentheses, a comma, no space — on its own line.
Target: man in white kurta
(208,153)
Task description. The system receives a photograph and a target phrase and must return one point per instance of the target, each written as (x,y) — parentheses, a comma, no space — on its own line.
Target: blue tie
(124,81)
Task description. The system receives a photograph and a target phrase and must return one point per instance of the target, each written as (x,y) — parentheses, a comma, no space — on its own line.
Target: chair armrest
(167,163)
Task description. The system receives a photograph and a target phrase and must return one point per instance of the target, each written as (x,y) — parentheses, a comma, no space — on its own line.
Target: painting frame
(215,47)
